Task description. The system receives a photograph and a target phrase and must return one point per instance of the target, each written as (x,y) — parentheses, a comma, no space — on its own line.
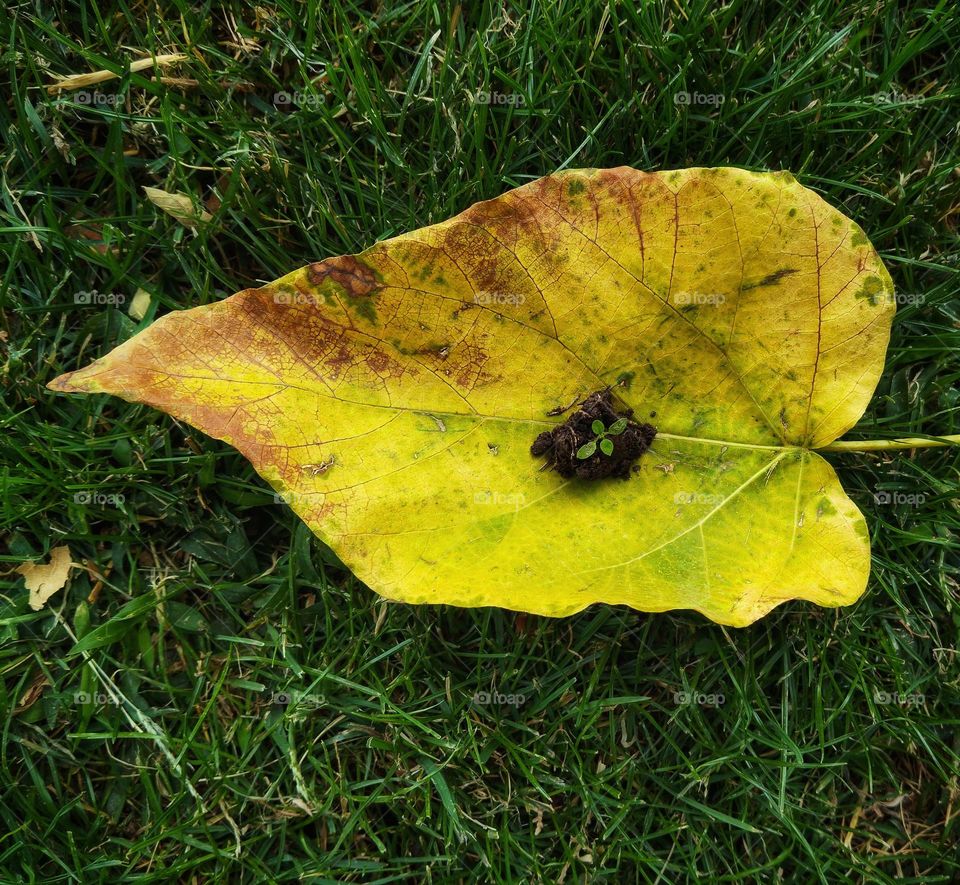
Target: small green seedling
(603,438)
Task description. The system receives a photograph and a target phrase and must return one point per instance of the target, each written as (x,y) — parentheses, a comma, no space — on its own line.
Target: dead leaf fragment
(45,579)
(140,304)
(91,232)
(180,206)
(33,693)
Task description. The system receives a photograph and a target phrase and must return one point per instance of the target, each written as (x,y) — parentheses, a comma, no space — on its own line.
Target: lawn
(239,707)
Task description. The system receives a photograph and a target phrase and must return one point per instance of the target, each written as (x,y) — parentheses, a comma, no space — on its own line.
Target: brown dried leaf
(45,579)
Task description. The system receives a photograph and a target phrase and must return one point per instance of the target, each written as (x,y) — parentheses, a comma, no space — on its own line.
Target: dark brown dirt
(560,445)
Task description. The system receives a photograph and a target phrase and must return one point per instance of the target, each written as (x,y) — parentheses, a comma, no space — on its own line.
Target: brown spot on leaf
(352,275)
(331,349)
(772,279)
(383,364)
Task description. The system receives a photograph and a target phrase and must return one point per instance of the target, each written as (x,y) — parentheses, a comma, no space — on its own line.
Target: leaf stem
(884,445)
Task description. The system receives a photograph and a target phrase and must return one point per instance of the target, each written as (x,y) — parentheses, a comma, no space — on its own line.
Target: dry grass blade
(80,81)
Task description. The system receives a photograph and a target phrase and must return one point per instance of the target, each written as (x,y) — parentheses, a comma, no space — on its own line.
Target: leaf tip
(83,380)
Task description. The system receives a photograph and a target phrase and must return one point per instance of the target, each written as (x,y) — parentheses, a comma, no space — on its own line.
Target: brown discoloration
(329,348)
(512,219)
(772,279)
(440,351)
(145,373)
(352,275)
(65,383)
(378,361)
(465,363)
(333,514)
(339,359)
(478,256)
(382,364)
(463,308)
(351,354)
(305,295)
(621,177)
(471,369)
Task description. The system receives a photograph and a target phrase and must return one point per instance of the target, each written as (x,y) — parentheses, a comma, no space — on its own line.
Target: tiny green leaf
(598,427)
(606,446)
(618,427)
(587,449)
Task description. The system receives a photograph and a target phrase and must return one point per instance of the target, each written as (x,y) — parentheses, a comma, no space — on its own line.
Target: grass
(822,744)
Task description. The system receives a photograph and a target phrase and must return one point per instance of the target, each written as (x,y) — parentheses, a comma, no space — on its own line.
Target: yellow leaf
(180,206)
(392,397)
(45,579)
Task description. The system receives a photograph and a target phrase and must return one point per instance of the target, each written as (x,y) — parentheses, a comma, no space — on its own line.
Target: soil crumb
(561,444)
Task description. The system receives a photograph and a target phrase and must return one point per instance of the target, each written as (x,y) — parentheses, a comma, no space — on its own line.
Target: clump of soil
(561,444)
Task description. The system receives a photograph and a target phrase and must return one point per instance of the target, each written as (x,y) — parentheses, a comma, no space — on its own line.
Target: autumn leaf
(392,397)
(45,579)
